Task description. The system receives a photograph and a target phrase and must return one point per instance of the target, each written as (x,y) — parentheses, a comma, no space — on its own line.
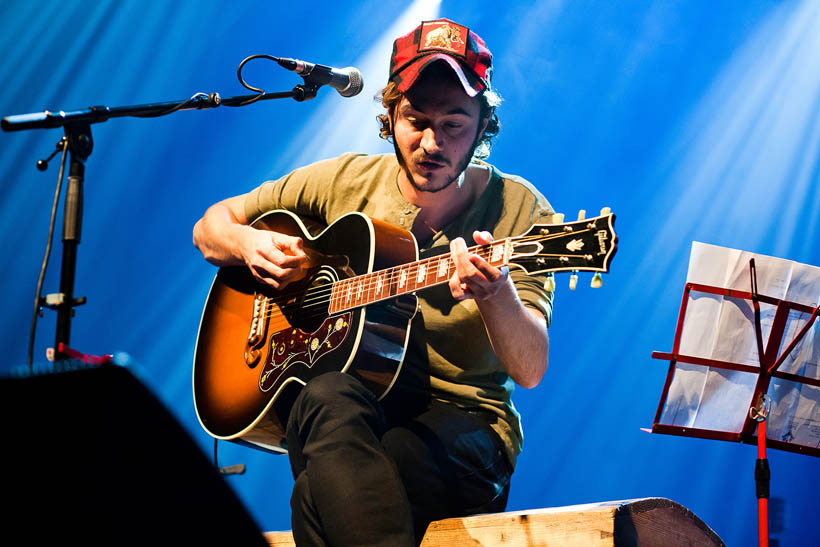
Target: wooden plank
(647,522)
(279,539)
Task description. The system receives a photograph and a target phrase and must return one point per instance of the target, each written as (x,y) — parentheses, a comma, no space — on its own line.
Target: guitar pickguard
(295,346)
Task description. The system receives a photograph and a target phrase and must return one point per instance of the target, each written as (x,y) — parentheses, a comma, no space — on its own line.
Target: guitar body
(257,346)
(350,312)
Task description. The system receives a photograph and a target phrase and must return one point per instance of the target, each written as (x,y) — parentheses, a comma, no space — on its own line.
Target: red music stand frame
(768,369)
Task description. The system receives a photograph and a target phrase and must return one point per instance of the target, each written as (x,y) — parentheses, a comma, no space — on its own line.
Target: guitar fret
(390,274)
(402,279)
(368,293)
(411,278)
(443,267)
(420,278)
(497,252)
(396,274)
(379,285)
(374,284)
(431,272)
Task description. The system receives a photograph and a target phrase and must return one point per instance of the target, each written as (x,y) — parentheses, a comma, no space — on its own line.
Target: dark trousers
(366,476)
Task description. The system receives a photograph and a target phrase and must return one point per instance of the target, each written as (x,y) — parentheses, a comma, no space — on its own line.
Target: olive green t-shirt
(449,353)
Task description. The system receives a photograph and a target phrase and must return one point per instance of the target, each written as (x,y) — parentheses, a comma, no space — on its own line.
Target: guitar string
(319,304)
(415,268)
(329,287)
(368,282)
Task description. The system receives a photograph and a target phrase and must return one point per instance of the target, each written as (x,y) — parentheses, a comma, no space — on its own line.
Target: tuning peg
(596,281)
(582,214)
(558,218)
(605,211)
(573,280)
(549,284)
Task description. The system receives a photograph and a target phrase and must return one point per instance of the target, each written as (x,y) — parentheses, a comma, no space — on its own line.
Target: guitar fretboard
(398,280)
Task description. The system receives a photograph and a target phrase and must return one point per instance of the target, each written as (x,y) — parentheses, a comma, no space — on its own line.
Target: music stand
(736,395)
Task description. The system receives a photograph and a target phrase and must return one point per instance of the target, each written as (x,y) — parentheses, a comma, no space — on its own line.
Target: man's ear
(483,124)
(390,113)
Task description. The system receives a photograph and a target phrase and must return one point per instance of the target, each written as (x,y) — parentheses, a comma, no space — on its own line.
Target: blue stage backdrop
(692,120)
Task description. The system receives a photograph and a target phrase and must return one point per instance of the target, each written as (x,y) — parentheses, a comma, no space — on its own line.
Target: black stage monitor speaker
(91,455)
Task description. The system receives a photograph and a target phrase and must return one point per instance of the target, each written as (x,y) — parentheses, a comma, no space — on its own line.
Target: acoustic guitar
(351,313)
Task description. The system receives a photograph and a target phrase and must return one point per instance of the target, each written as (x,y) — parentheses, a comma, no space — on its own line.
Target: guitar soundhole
(311,309)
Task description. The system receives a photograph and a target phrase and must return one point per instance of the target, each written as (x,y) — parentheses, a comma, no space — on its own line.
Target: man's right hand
(274,259)
(225,239)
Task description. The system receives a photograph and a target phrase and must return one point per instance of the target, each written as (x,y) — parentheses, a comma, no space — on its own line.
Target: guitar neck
(583,245)
(366,289)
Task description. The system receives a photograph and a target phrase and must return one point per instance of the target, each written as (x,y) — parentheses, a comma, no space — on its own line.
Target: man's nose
(430,141)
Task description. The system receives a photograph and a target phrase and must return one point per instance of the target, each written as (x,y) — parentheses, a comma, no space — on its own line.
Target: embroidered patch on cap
(443,35)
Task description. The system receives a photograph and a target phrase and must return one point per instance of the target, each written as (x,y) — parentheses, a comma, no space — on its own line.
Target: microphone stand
(77,125)
(80,145)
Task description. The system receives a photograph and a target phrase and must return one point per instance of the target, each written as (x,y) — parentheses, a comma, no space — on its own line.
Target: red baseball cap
(444,40)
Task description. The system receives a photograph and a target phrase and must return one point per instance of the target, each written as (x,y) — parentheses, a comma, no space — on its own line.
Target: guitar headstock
(588,244)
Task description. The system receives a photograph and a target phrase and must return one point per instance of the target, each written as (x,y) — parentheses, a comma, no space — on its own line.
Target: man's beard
(461,166)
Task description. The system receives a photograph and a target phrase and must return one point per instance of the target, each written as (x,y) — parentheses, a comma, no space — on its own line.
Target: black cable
(238,469)
(242,64)
(245,84)
(183,104)
(44,266)
(190,101)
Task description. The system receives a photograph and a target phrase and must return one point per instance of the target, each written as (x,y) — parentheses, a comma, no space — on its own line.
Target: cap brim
(407,76)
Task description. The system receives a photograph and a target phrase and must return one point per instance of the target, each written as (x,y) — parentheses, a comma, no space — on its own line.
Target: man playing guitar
(443,441)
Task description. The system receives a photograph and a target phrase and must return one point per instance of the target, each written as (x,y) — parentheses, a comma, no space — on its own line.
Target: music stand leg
(762,477)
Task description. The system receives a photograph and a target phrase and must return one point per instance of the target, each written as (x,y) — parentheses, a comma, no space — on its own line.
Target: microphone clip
(305,92)
(308,90)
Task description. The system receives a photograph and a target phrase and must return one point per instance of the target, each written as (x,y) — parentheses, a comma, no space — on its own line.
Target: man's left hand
(475,277)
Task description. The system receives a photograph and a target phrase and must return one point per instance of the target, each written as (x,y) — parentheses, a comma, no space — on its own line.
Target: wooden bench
(645,522)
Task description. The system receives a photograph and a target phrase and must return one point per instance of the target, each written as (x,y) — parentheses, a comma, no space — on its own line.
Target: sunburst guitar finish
(350,312)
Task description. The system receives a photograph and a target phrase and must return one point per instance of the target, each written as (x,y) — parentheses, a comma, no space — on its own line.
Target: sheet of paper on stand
(722,328)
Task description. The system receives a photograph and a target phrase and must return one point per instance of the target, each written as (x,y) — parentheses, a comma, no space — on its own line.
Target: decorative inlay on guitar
(351,313)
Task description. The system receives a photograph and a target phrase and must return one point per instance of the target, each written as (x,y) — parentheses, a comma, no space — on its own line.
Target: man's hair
(488,100)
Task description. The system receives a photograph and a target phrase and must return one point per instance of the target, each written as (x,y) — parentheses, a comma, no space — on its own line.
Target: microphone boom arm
(97,114)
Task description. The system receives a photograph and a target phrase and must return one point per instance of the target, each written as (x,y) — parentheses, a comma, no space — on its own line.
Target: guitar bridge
(256,336)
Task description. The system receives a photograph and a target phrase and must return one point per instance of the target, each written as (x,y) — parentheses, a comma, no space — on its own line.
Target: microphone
(347,81)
